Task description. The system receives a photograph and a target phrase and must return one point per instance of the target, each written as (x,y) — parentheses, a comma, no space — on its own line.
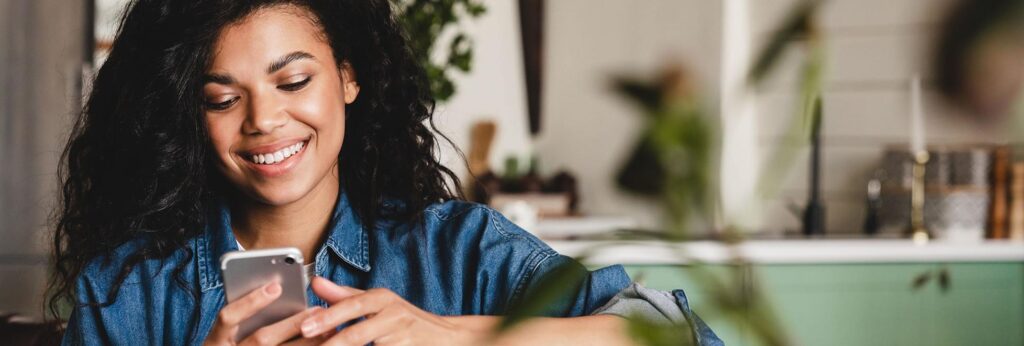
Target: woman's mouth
(277,156)
(273,161)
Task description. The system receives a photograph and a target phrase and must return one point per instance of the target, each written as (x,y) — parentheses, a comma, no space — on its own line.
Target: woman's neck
(301,224)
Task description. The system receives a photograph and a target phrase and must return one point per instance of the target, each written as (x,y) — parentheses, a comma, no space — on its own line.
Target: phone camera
(289,260)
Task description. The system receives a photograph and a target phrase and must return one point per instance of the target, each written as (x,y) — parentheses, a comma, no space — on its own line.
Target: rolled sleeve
(668,308)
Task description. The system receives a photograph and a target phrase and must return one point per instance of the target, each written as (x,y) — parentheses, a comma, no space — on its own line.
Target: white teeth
(278,156)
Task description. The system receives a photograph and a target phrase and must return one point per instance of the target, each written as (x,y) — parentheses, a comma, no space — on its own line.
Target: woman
(222,125)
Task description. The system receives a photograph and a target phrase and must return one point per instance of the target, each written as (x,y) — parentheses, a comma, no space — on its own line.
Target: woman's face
(275,106)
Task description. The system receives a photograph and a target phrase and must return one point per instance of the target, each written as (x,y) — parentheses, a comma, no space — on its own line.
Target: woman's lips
(272,147)
(278,162)
(276,156)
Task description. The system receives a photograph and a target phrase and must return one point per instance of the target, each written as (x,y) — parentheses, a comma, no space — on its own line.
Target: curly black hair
(137,164)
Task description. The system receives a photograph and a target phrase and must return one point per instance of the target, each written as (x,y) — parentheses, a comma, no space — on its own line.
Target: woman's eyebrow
(218,79)
(285,60)
(274,67)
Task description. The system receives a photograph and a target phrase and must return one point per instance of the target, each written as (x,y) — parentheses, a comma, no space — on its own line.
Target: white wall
(587,128)
(874,47)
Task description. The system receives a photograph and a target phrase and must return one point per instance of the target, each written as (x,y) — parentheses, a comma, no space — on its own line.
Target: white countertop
(804,251)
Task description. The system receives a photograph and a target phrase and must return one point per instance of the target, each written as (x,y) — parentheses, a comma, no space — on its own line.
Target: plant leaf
(651,333)
(795,26)
(646,95)
(556,285)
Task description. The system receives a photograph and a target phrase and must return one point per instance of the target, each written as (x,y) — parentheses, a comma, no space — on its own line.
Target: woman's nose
(266,114)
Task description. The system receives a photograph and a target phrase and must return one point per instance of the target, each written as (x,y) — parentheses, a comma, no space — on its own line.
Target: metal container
(948,214)
(970,167)
(956,193)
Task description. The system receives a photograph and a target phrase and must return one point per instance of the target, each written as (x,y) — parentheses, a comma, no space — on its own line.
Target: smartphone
(245,271)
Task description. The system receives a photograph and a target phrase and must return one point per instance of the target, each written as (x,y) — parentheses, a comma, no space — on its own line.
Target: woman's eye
(295,86)
(219,106)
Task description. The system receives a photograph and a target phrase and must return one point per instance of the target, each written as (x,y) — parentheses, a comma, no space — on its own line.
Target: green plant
(424,22)
(799,29)
(672,158)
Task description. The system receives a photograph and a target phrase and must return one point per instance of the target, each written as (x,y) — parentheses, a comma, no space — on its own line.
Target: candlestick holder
(918,232)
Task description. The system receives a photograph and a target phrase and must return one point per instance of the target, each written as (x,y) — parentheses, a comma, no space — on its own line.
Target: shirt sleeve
(595,289)
(608,290)
(85,326)
(669,308)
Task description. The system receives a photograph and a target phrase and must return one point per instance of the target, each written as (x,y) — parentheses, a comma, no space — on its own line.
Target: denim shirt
(462,259)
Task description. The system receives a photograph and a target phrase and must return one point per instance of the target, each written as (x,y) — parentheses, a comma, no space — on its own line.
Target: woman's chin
(277,197)
(283,191)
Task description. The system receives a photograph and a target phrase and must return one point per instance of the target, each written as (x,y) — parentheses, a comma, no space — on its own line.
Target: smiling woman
(275,101)
(221,125)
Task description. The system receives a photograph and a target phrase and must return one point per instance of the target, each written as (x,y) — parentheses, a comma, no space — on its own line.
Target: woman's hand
(225,328)
(390,320)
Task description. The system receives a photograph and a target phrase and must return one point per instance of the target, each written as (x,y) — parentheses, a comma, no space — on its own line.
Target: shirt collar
(347,238)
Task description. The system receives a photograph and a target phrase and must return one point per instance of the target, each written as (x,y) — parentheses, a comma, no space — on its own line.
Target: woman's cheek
(311,107)
(220,132)
(324,111)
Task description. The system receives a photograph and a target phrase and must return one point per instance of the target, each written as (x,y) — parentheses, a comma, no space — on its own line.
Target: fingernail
(272,289)
(308,327)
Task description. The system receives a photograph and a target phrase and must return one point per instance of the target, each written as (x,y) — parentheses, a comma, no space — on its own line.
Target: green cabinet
(864,304)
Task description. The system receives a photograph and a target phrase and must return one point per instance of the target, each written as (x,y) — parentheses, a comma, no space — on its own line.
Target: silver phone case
(245,271)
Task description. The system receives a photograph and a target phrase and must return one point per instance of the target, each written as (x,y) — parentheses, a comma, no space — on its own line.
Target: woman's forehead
(266,35)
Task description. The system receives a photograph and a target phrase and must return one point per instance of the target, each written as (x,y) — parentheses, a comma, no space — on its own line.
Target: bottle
(1017,204)
(997,209)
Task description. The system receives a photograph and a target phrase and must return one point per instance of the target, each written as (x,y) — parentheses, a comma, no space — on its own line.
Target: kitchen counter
(803,251)
(841,291)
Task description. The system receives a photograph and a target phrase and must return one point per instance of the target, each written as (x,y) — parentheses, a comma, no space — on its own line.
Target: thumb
(331,292)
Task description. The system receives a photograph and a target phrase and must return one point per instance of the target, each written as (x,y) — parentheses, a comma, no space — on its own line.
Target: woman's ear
(350,87)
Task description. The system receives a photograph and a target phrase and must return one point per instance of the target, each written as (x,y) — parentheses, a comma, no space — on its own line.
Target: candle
(916,117)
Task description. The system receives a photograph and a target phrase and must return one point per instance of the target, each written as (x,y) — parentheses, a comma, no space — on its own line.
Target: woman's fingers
(280,331)
(384,323)
(231,315)
(348,309)
(319,340)
(331,292)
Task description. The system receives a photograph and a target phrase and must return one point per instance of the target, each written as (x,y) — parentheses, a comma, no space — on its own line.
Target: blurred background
(553,101)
